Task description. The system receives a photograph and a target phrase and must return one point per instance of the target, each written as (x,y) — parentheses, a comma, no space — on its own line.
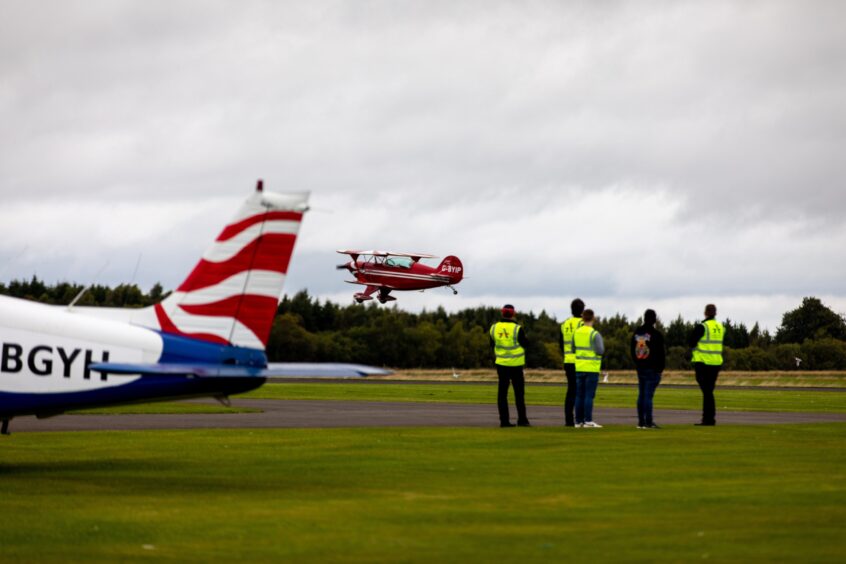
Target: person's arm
(698,333)
(561,341)
(632,342)
(598,344)
(522,338)
(661,350)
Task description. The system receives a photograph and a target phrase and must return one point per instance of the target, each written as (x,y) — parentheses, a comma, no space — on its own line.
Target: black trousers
(706,377)
(570,398)
(511,375)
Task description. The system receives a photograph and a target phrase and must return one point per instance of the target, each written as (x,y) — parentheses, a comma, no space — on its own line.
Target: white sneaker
(580,425)
(592,425)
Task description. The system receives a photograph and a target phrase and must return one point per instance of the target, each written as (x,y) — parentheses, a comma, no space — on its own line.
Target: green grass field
(607,396)
(727,494)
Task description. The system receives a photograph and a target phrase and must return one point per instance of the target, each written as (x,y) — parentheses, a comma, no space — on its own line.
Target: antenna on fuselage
(135,272)
(88,287)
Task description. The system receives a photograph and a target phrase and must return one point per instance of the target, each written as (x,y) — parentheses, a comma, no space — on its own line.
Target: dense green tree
(823,354)
(677,332)
(307,330)
(811,320)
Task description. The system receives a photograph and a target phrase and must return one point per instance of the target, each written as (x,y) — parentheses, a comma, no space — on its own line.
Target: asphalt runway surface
(277,414)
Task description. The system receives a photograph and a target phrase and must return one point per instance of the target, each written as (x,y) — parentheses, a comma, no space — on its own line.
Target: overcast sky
(635,154)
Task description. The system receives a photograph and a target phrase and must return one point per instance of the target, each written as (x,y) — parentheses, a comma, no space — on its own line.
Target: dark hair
(577,306)
(587,315)
(710,310)
(649,317)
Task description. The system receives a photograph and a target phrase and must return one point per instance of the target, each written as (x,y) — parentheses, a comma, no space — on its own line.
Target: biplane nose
(345,266)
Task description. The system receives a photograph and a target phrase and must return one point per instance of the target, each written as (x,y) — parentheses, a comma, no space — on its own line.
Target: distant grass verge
(799,379)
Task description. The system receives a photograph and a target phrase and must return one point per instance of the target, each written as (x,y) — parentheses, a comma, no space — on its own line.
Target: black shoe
(704,424)
(569,424)
(507,425)
(523,424)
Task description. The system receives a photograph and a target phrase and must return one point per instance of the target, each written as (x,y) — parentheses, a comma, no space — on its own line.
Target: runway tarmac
(327,414)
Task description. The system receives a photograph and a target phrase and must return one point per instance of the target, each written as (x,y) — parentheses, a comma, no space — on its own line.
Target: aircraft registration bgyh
(207,338)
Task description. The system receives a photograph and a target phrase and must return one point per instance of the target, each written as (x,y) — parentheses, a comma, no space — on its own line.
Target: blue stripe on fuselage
(152,388)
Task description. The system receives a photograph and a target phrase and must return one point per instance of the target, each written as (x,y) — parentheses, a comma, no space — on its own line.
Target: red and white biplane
(387,271)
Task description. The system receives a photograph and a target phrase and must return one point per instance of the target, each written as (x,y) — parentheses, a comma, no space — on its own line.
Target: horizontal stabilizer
(274,370)
(321,370)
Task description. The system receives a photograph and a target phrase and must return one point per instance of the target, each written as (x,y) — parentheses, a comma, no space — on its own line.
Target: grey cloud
(458,118)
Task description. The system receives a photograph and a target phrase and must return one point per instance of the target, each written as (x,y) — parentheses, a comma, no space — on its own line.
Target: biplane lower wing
(375,285)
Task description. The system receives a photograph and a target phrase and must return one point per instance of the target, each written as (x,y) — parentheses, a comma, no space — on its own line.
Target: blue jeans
(586,383)
(647,380)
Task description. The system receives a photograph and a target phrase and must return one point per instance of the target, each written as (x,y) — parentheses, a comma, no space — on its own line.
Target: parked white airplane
(205,339)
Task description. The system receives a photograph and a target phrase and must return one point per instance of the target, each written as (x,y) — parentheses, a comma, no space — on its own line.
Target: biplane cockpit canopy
(401,262)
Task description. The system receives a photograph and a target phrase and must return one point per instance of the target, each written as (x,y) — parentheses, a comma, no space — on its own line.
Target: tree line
(308,330)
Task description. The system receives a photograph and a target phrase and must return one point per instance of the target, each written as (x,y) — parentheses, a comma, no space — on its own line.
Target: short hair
(508,311)
(710,310)
(587,315)
(649,317)
(577,306)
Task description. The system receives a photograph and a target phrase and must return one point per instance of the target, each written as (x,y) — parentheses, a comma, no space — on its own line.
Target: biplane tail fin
(451,266)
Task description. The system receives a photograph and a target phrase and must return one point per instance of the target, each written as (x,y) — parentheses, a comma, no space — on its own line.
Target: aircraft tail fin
(231,295)
(451,266)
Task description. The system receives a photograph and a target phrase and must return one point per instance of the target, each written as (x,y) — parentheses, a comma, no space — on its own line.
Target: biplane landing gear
(384,296)
(359,298)
(5,428)
(454,291)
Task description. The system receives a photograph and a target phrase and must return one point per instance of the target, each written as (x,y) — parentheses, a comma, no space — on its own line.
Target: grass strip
(607,396)
(789,379)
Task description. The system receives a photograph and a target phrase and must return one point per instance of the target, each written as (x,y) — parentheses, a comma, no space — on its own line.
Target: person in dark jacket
(508,341)
(650,356)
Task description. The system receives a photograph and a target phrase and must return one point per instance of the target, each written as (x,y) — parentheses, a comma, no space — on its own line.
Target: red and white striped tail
(232,294)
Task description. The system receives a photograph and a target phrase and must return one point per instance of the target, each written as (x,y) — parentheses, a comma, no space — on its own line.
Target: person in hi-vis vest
(588,348)
(509,341)
(707,343)
(568,328)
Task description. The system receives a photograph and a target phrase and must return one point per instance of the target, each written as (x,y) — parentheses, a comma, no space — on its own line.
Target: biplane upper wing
(374,253)
(413,256)
(370,253)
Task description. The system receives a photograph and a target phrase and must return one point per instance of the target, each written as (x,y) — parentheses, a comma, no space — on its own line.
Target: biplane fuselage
(387,271)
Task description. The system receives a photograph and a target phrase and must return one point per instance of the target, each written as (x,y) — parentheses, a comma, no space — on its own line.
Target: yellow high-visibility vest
(568,328)
(709,349)
(586,359)
(506,346)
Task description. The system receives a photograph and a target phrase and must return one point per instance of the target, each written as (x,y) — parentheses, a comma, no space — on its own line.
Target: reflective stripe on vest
(568,328)
(506,346)
(709,349)
(586,359)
